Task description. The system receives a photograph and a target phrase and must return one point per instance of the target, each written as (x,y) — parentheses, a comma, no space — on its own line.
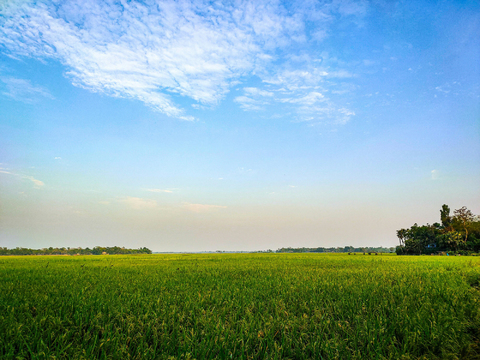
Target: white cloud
(198,208)
(37,184)
(301,91)
(23,90)
(296,79)
(151,52)
(58,158)
(305,91)
(249,104)
(157,52)
(435,174)
(345,115)
(257,92)
(159,190)
(138,203)
(306,100)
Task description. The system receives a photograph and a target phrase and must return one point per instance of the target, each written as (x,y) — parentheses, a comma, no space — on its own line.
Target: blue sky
(235,125)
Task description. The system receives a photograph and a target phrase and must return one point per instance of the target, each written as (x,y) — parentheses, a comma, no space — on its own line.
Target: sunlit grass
(240,306)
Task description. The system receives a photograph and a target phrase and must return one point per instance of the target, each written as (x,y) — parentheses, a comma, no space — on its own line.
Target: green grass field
(240,306)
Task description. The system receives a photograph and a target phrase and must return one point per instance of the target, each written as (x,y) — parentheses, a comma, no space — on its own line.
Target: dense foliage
(97,250)
(346,249)
(459,233)
(239,306)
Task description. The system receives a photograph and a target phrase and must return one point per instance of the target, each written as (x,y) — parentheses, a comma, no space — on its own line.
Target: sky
(235,125)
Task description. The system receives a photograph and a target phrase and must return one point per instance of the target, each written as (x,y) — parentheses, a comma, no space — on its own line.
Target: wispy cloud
(306,100)
(198,208)
(254,99)
(160,52)
(297,79)
(37,184)
(23,90)
(435,174)
(250,104)
(138,203)
(159,190)
(257,92)
(151,52)
(301,93)
(306,91)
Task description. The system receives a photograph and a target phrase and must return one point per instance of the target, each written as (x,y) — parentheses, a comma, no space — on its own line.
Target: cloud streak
(24,90)
(37,184)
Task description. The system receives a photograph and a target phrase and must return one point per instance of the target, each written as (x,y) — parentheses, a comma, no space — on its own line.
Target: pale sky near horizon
(235,125)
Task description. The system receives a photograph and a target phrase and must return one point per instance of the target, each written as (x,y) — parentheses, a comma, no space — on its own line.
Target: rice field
(240,306)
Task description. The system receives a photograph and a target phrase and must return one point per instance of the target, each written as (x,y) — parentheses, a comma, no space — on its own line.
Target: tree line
(457,234)
(346,249)
(97,250)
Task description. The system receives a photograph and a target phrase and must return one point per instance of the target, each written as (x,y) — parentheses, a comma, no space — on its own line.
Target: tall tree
(464,216)
(445,217)
(402,234)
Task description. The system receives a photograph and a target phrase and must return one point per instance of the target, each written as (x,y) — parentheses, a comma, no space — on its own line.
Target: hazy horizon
(235,125)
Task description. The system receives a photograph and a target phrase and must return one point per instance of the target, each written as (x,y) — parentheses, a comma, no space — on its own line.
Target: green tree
(402,235)
(464,217)
(445,217)
(451,240)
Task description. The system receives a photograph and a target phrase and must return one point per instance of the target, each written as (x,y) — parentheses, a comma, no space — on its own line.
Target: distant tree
(73,251)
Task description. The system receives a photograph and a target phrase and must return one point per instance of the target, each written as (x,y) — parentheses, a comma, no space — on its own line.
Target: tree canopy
(459,233)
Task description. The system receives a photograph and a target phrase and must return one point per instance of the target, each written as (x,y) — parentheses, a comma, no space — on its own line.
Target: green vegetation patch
(239,306)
